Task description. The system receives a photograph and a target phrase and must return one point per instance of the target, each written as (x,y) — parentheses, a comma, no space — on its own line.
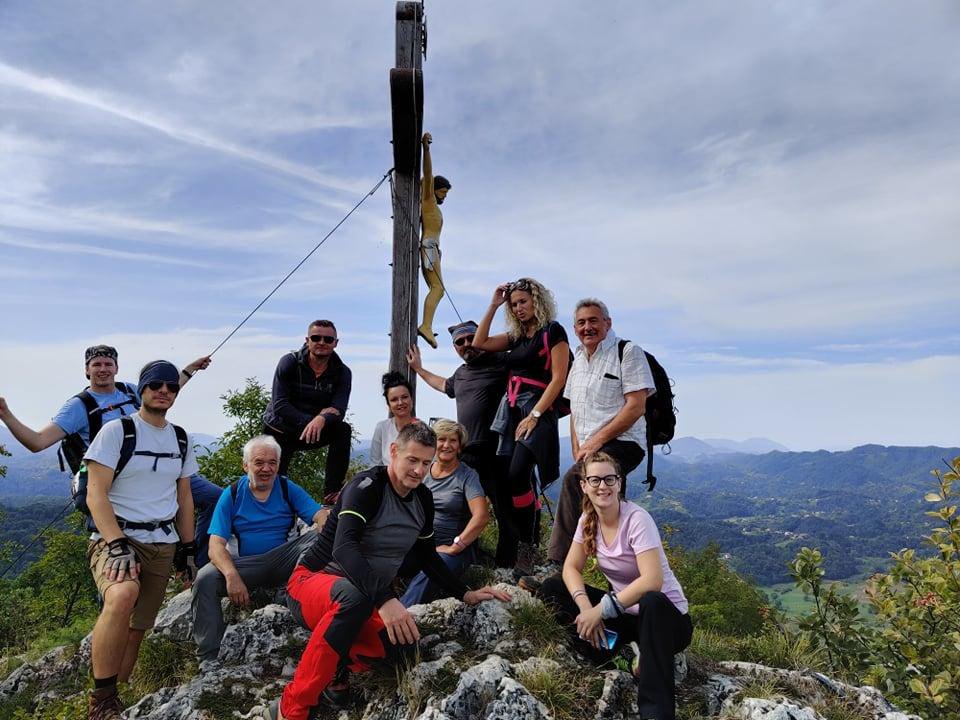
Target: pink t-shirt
(637,533)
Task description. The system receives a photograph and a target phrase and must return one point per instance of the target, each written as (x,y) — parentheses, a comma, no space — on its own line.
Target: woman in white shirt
(398,392)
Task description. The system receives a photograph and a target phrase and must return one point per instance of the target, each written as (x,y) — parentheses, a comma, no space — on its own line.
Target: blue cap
(158,370)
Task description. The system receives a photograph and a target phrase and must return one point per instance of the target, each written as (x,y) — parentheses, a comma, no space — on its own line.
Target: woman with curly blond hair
(537,359)
(645,609)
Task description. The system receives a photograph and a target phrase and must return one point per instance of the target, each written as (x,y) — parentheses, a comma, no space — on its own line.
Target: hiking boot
(528,555)
(104,704)
(531,583)
(337,698)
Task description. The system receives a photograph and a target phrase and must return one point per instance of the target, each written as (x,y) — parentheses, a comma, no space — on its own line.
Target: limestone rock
(514,702)
(536,665)
(717,690)
(267,638)
(680,668)
(240,686)
(420,676)
(175,619)
(476,689)
(618,699)
(764,709)
(445,649)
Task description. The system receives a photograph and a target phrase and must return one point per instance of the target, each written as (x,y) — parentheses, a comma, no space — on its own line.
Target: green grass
(533,622)
(222,705)
(794,602)
(568,696)
(790,651)
(162,663)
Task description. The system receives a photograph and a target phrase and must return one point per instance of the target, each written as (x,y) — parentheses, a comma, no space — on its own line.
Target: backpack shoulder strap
(621,346)
(285,491)
(94,413)
(128,445)
(131,392)
(183,441)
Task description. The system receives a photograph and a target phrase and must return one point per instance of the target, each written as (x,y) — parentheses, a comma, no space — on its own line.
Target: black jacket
(299,395)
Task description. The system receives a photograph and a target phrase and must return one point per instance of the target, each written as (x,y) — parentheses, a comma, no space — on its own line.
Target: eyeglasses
(155,385)
(465,340)
(522,284)
(608,480)
(325,339)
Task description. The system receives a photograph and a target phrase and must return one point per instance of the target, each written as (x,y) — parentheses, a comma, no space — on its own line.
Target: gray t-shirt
(450,497)
(140,493)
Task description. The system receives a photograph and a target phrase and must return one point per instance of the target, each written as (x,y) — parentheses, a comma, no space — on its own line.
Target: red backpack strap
(546,351)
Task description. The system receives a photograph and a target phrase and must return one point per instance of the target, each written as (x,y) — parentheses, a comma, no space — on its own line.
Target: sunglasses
(465,340)
(608,480)
(325,339)
(155,385)
(523,285)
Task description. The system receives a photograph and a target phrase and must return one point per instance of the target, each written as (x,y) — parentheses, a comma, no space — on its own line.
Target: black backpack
(73,447)
(661,415)
(284,489)
(128,449)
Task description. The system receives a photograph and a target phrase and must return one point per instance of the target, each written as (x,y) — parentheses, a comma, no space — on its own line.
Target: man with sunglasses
(143,510)
(477,386)
(608,395)
(105,399)
(311,390)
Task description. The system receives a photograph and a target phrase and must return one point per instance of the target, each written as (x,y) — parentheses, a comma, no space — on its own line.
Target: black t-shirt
(477,387)
(528,357)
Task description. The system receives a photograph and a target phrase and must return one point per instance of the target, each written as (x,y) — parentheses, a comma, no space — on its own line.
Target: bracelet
(578,593)
(187,373)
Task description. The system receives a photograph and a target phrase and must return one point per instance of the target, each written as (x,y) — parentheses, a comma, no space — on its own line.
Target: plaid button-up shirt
(596,386)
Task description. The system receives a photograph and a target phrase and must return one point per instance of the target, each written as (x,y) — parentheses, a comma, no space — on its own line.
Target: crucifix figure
(433,190)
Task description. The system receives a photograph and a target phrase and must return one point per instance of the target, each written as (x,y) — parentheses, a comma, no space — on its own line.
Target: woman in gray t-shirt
(460,509)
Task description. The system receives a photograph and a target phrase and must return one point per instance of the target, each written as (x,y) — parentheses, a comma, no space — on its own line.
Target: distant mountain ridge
(690,448)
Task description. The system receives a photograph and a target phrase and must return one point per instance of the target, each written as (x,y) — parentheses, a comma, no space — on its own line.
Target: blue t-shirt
(260,525)
(72,417)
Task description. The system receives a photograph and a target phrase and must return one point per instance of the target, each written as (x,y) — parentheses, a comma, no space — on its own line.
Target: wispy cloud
(71,248)
(55,89)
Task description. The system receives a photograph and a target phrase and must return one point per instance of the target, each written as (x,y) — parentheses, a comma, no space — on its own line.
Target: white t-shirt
(140,493)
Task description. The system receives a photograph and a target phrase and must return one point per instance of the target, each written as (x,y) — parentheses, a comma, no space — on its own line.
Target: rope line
(36,538)
(305,258)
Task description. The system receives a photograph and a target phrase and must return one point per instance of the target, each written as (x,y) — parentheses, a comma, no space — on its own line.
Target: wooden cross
(406,98)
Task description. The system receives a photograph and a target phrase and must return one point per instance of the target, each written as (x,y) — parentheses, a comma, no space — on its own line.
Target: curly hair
(590,518)
(544,306)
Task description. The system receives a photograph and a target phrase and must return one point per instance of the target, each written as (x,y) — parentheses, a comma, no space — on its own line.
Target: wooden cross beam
(406,98)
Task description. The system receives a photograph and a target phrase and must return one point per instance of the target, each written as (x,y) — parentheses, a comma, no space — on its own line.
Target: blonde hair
(544,306)
(444,427)
(589,512)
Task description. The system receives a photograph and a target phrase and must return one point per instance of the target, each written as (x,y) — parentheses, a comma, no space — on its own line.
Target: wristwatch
(536,414)
(456,541)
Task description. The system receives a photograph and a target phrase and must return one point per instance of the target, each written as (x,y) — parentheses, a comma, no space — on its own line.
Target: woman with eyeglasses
(398,392)
(537,359)
(646,609)
(460,510)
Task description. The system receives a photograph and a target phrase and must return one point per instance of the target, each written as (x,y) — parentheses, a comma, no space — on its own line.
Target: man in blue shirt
(259,510)
(106,399)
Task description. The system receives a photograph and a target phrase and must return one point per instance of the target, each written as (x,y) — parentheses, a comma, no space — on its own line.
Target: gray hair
(592,302)
(416,432)
(260,441)
(446,427)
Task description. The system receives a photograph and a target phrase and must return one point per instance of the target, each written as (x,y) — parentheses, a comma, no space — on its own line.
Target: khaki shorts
(156,562)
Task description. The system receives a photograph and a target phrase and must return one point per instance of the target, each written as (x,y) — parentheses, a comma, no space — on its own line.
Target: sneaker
(104,704)
(528,555)
(630,657)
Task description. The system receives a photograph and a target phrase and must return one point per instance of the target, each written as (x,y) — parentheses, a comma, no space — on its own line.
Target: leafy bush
(914,652)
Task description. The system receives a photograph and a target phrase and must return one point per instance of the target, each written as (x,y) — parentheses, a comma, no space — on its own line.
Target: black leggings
(660,631)
(524,498)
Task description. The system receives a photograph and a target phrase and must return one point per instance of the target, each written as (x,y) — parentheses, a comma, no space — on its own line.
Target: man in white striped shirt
(608,396)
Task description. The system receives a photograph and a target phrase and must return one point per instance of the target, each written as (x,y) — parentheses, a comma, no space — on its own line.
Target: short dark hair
(394,379)
(440,182)
(322,323)
(416,432)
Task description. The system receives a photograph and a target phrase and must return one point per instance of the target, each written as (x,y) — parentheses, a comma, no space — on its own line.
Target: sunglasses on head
(325,339)
(523,285)
(155,385)
(608,480)
(464,340)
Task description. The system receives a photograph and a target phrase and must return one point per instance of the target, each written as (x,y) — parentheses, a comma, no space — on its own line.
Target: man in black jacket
(311,389)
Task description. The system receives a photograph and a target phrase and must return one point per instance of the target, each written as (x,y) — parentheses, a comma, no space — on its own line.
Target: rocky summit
(494,661)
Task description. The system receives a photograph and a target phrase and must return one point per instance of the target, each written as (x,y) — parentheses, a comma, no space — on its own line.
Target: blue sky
(764,193)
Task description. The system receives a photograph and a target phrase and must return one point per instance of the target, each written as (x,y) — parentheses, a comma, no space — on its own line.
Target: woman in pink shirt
(646,604)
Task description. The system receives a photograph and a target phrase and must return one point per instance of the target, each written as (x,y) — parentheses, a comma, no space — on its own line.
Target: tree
(225,462)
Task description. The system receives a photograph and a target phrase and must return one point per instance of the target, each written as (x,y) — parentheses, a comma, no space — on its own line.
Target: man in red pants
(342,586)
